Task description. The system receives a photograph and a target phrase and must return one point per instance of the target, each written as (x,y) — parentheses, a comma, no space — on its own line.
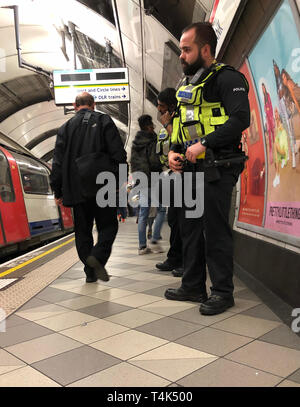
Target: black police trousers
(207,240)
(175,252)
(107,227)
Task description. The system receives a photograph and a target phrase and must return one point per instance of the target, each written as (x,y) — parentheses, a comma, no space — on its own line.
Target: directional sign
(106,85)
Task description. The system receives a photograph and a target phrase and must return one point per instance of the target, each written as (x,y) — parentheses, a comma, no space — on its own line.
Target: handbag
(91,164)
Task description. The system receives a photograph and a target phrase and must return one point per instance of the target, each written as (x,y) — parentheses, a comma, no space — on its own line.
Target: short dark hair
(84,99)
(205,34)
(144,121)
(168,96)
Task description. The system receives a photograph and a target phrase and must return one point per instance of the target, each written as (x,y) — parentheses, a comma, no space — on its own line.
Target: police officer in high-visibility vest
(213,110)
(166,105)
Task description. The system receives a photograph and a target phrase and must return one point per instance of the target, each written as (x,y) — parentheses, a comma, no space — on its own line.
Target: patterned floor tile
(137,300)
(134,318)
(170,329)
(9,362)
(172,361)
(75,364)
(104,309)
(93,331)
(128,344)
(167,307)
(22,333)
(122,375)
(79,302)
(274,359)
(282,336)
(246,326)
(26,377)
(42,348)
(214,341)
(224,373)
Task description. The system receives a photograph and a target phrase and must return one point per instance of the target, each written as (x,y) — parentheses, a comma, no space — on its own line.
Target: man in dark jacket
(71,143)
(145,159)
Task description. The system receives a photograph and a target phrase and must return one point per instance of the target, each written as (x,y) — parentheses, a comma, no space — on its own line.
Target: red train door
(66,217)
(13,217)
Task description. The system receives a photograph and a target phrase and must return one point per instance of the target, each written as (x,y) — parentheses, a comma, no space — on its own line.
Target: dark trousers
(175,252)
(208,240)
(107,227)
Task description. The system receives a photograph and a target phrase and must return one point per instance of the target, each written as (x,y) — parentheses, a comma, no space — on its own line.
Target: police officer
(213,110)
(166,105)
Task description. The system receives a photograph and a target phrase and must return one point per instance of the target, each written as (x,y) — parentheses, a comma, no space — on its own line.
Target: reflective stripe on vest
(163,146)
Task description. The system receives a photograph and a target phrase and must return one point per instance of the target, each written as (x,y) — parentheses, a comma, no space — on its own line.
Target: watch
(203,141)
(166,125)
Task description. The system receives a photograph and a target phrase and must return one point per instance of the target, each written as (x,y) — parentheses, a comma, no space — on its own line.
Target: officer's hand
(58,201)
(193,151)
(175,161)
(166,118)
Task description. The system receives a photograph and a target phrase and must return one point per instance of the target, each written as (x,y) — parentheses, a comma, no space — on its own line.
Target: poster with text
(275,67)
(252,198)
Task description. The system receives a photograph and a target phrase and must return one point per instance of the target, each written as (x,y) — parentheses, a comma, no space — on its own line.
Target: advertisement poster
(252,198)
(221,18)
(275,67)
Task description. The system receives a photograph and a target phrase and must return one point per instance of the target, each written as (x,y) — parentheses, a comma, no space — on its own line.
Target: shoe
(144,250)
(90,275)
(178,294)
(216,305)
(156,247)
(165,266)
(98,268)
(178,272)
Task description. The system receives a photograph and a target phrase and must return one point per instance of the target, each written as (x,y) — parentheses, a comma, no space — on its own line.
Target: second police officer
(166,105)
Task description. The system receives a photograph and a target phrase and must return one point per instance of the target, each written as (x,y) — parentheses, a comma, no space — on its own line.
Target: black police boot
(216,305)
(90,275)
(178,294)
(178,272)
(165,266)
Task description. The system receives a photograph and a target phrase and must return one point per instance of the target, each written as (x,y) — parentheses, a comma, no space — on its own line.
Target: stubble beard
(191,69)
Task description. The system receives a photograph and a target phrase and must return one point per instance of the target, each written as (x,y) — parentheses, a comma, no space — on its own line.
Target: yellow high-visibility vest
(163,146)
(196,117)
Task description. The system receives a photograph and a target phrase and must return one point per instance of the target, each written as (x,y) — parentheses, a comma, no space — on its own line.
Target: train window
(34,176)
(151,93)
(7,192)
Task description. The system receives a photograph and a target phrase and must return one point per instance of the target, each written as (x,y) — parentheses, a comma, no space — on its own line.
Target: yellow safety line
(35,258)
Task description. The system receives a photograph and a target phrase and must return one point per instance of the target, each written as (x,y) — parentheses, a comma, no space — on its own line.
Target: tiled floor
(125,333)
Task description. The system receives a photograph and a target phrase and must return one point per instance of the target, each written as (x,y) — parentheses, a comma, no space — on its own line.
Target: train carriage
(28,212)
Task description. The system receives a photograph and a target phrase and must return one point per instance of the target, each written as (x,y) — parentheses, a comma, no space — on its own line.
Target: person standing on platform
(213,111)
(78,140)
(166,105)
(145,159)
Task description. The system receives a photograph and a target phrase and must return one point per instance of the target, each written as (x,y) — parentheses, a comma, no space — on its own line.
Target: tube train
(28,212)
